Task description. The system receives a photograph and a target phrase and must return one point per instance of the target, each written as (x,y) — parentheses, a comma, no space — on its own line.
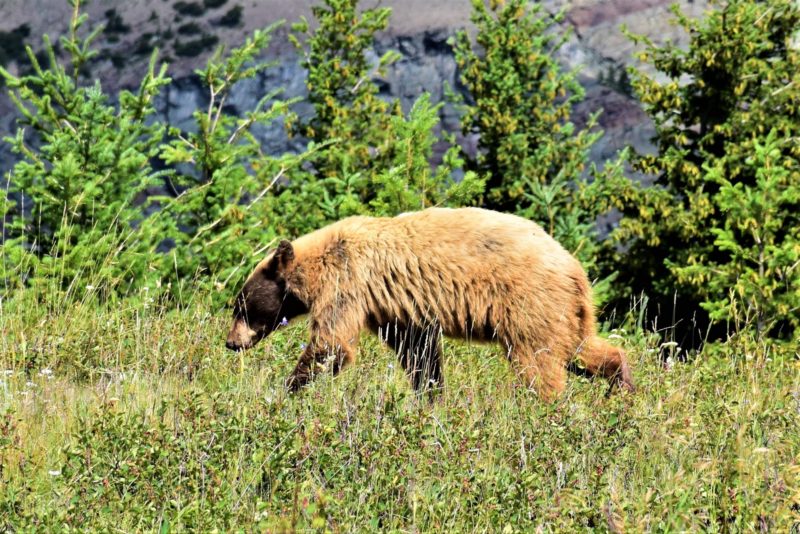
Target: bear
(466,273)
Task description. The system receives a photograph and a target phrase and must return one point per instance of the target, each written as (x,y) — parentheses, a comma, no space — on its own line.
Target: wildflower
(302,346)
(391,366)
(54,472)
(46,372)
(8,372)
(284,321)
(89,287)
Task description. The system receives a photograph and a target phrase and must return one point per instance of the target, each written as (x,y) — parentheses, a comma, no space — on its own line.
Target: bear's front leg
(314,360)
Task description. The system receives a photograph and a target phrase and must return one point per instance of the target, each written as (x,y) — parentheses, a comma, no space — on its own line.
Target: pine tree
(717,235)
(372,158)
(346,104)
(83,162)
(519,102)
(223,220)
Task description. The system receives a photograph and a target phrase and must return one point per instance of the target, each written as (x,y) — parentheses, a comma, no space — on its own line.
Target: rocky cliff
(187,31)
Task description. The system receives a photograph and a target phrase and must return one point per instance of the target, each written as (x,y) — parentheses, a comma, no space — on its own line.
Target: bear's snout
(240,337)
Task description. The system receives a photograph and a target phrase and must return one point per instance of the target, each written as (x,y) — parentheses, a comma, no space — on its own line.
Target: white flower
(8,372)
(54,472)
(46,372)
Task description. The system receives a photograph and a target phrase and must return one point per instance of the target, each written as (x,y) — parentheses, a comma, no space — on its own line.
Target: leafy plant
(520,102)
(534,159)
(725,208)
(76,185)
(223,220)
(340,89)
(756,280)
(410,183)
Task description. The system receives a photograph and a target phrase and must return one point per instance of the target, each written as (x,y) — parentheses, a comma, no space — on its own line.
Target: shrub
(374,160)
(410,183)
(534,159)
(717,235)
(346,103)
(83,162)
(521,102)
(224,209)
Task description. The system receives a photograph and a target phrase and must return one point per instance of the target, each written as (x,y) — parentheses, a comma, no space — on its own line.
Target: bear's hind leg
(541,370)
(604,359)
(419,351)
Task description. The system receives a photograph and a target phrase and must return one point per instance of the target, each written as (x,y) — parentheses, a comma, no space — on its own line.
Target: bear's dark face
(264,301)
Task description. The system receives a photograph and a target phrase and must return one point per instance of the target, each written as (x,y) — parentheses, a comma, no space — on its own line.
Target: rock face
(419,31)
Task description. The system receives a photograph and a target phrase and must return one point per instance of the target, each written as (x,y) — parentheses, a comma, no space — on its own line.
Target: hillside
(187,32)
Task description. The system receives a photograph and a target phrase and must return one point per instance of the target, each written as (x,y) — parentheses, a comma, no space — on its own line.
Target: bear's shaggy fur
(466,273)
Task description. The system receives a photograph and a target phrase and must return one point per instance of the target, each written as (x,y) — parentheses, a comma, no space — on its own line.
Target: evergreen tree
(520,100)
(223,220)
(375,159)
(718,233)
(346,104)
(83,162)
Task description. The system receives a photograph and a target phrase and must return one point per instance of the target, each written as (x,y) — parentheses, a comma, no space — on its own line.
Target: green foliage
(223,220)
(340,88)
(722,219)
(756,279)
(169,431)
(81,171)
(120,463)
(410,183)
(521,103)
(533,157)
(378,160)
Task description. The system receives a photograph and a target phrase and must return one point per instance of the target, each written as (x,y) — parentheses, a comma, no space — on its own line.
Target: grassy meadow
(132,417)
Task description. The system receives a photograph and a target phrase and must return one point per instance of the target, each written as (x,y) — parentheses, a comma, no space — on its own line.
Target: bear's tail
(600,357)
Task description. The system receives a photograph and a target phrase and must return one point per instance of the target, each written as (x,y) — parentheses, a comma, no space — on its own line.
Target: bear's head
(265,300)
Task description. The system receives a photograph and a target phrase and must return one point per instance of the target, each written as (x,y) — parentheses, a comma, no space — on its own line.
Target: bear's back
(466,234)
(473,241)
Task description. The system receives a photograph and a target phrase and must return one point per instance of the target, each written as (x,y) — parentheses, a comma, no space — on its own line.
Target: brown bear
(466,273)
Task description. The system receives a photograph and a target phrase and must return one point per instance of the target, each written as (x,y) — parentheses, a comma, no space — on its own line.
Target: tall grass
(132,416)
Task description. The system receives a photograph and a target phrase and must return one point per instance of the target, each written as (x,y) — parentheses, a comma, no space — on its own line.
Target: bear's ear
(282,259)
